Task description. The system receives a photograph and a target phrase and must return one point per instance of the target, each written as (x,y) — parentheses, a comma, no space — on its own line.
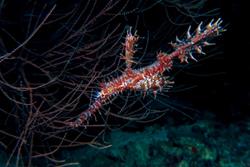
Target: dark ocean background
(203,120)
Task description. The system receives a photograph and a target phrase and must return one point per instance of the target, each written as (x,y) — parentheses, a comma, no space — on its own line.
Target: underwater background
(54,54)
